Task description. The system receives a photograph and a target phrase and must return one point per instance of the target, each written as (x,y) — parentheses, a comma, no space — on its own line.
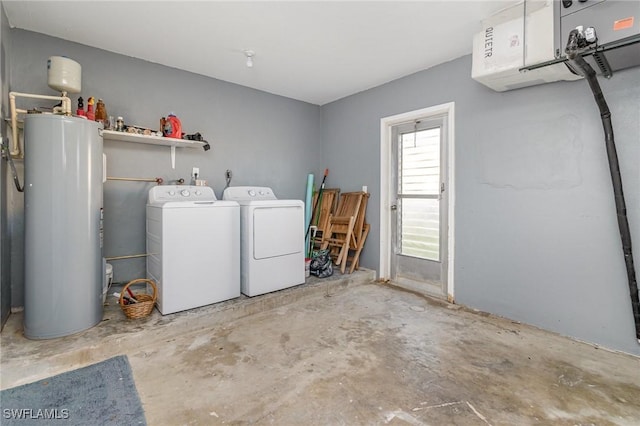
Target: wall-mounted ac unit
(519,36)
(613,24)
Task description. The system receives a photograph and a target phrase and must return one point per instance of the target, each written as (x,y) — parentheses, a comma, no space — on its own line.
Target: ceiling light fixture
(249,54)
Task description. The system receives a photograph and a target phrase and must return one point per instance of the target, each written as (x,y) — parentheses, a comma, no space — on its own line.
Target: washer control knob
(172,193)
(185,193)
(252,193)
(198,192)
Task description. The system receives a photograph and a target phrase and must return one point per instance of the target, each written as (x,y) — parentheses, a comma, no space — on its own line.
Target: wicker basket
(145,301)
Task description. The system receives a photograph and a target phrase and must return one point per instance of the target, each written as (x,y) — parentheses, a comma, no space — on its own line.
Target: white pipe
(34,96)
(66,110)
(15,150)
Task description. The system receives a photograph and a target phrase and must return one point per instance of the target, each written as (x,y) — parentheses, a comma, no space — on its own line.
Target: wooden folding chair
(320,218)
(339,234)
(359,234)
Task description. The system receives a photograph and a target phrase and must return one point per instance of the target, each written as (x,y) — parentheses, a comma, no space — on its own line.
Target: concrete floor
(344,351)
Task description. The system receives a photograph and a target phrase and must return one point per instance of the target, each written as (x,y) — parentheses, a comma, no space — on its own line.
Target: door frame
(386,187)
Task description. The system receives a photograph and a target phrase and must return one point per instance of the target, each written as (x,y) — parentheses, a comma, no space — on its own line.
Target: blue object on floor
(99,394)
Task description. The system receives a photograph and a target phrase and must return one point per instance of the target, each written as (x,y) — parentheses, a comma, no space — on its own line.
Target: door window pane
(420,228)
(419,163)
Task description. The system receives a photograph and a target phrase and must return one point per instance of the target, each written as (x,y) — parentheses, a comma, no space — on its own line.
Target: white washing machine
(193,241)
(272,239)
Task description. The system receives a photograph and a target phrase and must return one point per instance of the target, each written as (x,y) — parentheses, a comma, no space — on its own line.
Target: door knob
(394,207)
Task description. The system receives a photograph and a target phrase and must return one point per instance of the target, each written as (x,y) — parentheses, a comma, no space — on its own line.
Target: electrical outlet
(195,172)
(228,174)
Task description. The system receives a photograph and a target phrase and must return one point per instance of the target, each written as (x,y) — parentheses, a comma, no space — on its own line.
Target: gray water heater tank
(63,225)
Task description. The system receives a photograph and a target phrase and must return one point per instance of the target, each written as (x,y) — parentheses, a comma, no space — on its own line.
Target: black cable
(227,178)
(572,50)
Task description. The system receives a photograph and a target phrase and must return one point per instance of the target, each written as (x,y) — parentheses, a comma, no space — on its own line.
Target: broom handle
(326,173)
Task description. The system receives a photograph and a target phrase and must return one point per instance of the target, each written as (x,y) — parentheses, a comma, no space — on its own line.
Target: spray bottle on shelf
(80,111)
(90,114)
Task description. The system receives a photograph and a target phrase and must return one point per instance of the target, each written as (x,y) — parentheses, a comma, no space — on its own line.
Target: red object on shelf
(80,110)
(172,127)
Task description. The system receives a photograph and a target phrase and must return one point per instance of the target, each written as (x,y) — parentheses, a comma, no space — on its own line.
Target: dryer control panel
(247,193)
(164,193)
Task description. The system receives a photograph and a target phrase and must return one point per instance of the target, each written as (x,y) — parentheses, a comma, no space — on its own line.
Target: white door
(419,205)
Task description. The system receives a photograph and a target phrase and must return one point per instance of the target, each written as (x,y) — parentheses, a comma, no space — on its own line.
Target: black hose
(6,152)
(572,50)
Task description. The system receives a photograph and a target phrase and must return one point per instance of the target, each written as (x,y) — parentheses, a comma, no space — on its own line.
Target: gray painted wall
(5,237)
(537,239)
(536,232)
(264,139)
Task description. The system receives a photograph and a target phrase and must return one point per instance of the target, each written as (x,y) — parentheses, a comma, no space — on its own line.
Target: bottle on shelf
(91,115)
(101,114)
(80,111)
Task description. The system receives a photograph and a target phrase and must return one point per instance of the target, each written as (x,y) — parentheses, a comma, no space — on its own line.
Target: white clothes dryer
(272,240)
(193,241)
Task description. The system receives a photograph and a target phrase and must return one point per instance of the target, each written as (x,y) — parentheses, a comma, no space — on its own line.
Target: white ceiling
(316,52)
